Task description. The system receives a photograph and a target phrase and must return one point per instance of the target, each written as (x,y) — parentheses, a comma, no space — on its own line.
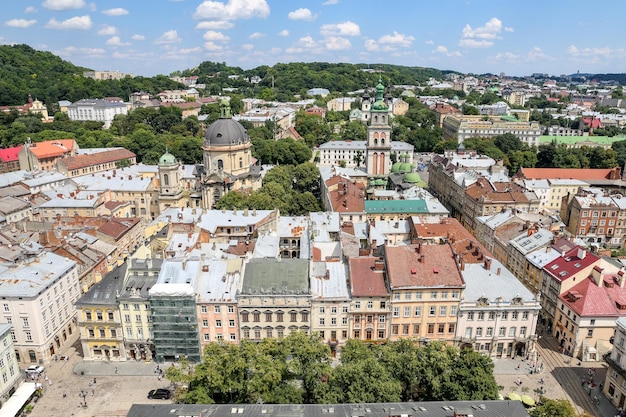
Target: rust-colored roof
(493,192)
(587,299)
(52,148)
(566,266)
(118,227)
(570,173)
(10,154)
(348,197)
(364,280)
(422,266)
(88,160)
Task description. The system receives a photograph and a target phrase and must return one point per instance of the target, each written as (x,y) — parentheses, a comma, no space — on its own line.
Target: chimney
(379,265)
(499,271)
(487,264)
(621,277)
(418,248)
(422,259)
(462,263)
(596,274)
(327,275)
(581,253)
(149,263)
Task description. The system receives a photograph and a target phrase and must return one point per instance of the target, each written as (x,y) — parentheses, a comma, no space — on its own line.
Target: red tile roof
(88,160)
(365,281)
(461,240)
(574,260)
(52,148)
(118,227)
(432,266)
(570,173)
(347,197)
(10,154)
(588,299)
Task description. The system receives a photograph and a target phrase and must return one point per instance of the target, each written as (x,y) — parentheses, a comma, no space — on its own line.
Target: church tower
(170,189)
(378,146)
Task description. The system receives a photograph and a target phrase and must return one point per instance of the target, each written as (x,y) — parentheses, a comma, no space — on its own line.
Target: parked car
(160,394)
(34,371)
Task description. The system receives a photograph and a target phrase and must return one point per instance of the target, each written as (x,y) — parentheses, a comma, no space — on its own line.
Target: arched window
(166,179)
(220,164)
(240,162)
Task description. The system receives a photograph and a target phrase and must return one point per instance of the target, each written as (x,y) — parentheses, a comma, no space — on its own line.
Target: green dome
(167,159)
(405,167)
(379,104)
(412,177)
(395,168)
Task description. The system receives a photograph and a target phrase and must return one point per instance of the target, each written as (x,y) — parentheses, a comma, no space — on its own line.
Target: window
(432,311)
(344,321)
(479,332)
(138,318)
(231,309)
(344,309)
(481,315)
(279,316)
(525,315)
(441,327)
(433,295)
(396,311)
(322,321)
(6,307)
(431,328)
(233,337)
(370,305)
(444,294)
(127,318)
(256,317)
(333,321)
(87,315)
(489,332)
(470,315)
(505,315)
(492,315)
(293,317)
(231,323)
(453,310)
(205,323)
(110,315)
(405,329)
(407,295)
(468,332)
(522,331)
(102,332)
(304,316)
(25,320)
(407,312)
(29,337)
(396,296)
(394,329)
(451,327)
(206,337)
(203,309)
(244,317)
(590,333)
(357,305)
(502,332)
(514,315)
(455,294)
(217,309)
(218,323)
(322,310)
(268,316)
(417,312)
(333,310)
(512,331)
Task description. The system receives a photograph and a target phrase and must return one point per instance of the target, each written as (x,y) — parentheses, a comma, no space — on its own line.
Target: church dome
(167,159)
(412,178)
(225,131)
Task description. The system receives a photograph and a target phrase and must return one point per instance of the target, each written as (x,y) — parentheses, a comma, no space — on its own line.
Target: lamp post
(83,394)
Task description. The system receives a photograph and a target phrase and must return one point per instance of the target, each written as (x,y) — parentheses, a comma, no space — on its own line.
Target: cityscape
(308,236)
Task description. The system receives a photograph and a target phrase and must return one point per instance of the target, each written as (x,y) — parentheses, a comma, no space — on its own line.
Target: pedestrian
(116,370)
(94,381)
(582,380)
(518,365)
(50,382)
(93,392)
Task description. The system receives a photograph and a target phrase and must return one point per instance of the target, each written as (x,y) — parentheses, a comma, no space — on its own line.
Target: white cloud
(232,10)
(30,9)
(93,7)
(256,35)
(212,46)
(211,35)
(337,43)
(429,42)
(507,57)
(20,23)
(76,22)
(138,37)
(397,39)
(346,28)
(440,50)
(595,54)
(573,50)
(536,54)
(63,4)
(72,51)
(283,32)
(483,36)
(171,36)
(107,31)
(330,2)
(302,14)
(219,24)
(371,45)
(275,51)
(509,29)
(247,46)
(116,41)
(118,11)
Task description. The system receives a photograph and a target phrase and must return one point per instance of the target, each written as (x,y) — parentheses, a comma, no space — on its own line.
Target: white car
(34,371)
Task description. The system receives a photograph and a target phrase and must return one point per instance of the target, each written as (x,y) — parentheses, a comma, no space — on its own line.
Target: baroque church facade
(227,165)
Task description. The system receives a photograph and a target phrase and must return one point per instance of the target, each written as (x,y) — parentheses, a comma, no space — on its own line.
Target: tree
(354,130)
(508,143)
(469,110)
(471,377)
(553,408)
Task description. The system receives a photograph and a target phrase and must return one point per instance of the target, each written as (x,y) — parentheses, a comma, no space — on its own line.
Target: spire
(225,109)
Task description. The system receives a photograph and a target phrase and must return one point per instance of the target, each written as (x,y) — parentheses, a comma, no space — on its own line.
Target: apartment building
(97,110)
(9,367)
(370,308)
(426,287)
(462,127)
(615,381)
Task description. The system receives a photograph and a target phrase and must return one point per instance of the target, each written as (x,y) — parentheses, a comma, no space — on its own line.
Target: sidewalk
(130,368)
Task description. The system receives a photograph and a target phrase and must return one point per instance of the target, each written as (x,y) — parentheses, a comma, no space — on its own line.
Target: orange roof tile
(570,173)
(52,148)
(422,266)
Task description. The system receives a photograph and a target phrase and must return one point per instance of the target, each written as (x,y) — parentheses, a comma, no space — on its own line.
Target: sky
(150,37)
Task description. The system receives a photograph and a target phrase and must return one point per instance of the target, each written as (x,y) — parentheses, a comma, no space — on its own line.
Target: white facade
(9,368)
(96,110)
(38,297)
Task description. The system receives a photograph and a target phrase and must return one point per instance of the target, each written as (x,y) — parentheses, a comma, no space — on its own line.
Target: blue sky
(149,37)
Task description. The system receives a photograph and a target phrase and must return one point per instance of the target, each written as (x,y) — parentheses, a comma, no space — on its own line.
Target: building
(497,315)
(134,307)
(370,308)
(586,313)
(106,75)
(608,178)
(520,247)
(9,367)
(97,110)
(352,153)
(43,156)
(93,163)
(174,310)
(431,409)
(10,159)
(275,298)
(38,300)
(462,127)
(615,381)
(98,319)
(426,287)
(33,107)
(227,159)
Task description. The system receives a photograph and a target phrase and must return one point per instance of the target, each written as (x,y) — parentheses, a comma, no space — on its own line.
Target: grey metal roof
(105,291)
(505,408)
(276,276)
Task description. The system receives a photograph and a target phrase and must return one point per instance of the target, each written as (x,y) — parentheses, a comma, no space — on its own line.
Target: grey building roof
(276,276)
(31,278)
(96,102)
(505,408)
(482,282)
(105,291)
(525,244)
